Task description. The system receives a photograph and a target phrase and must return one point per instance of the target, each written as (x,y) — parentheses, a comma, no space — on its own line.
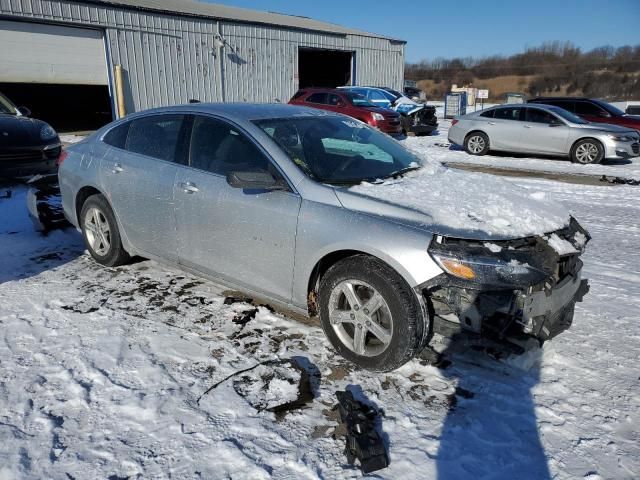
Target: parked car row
(27,145)
(550,129)
(372,106)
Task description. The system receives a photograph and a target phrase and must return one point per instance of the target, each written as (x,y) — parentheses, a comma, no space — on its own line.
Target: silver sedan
(318,213)
(542,130)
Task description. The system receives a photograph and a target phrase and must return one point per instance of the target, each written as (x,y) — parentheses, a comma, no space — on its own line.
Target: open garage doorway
(324,68)
(67,108)
(58,72)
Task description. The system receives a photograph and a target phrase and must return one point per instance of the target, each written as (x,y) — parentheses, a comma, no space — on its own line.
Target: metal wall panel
(171,59)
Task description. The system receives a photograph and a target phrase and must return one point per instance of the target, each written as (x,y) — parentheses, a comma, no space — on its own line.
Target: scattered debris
(363,441)
(245,316)
(619,180)
(277,386)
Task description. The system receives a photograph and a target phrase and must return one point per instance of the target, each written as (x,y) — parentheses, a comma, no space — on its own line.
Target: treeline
(554,67)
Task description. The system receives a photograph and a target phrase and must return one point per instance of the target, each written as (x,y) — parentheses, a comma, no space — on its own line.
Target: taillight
(454,121)
(63,155)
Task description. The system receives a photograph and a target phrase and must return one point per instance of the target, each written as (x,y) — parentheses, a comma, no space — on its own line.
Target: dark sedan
(27,146)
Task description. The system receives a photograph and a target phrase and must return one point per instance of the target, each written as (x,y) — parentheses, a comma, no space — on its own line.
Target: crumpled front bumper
(545,314)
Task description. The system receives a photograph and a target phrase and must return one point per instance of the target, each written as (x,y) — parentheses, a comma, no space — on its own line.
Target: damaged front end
(510,290)
(417,118)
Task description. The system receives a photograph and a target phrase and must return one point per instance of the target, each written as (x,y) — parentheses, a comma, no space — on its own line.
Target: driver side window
(220,148)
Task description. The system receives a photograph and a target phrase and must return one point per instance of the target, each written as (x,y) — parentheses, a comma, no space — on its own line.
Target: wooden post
(120,91)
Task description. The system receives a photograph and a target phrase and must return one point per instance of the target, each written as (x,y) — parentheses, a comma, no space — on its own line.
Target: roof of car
(244,111)
(537,99)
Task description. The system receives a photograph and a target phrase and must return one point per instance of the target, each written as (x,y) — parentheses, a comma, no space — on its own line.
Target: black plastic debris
(363,442)
(245,316)
(44,203)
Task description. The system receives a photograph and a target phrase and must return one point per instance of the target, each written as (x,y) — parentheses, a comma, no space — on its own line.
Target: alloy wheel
(360,317)
(97,231)
(587,153)
(476,144)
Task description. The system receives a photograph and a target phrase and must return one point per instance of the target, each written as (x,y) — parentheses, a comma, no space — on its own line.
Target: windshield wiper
(401,172)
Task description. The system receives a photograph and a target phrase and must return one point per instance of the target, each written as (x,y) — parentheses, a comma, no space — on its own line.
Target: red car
(591,110)
(351,104)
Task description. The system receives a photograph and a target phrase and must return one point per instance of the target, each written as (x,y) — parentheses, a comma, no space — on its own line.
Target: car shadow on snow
(27,251)
(490,429)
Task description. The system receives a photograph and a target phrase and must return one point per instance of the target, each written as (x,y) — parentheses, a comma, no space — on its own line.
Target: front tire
(370,315)
(100,232)
(476,143)
(587,152)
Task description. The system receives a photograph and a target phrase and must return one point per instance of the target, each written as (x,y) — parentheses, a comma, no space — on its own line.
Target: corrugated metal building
(175,50)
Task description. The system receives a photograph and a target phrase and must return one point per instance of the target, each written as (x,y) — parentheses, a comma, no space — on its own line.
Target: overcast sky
(474,28)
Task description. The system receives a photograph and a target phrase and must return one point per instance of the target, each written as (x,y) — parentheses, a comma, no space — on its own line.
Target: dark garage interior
(323,68)
(67,108)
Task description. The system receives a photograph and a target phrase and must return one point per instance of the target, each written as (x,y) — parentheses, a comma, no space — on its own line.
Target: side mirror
(340,104)
(603,114)
(24,111)
(255,180)
(556,123)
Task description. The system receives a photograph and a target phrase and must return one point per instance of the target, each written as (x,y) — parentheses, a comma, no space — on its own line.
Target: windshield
(561,112)
(615,111)
(6,106)
(395,93)
(358,100)
(339,150)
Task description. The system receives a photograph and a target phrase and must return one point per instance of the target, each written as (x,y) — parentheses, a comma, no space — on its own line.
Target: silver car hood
(606,127)
(458,204)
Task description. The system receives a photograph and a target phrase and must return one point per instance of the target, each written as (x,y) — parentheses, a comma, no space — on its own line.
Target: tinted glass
(512,113)
(6,106)
(337,150)
(335,100)
(587,108)
(568,115)
(488,114)
(358,100)
(607,107)
(536,115)
(218,147)
(377,96)
(155,136)
(568,105)
(317,98)
(117,137)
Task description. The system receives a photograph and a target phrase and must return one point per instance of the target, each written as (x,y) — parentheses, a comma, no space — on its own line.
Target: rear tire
(476,143)
(382,326)
(587,151)
(100,232)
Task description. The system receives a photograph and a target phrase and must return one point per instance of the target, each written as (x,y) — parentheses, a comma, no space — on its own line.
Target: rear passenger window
(507,113)
(155,136)
(317,98)
(117,137)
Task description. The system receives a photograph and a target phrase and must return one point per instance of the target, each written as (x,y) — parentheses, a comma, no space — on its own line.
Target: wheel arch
(593,139)
(81,197)
(328,259)
(477,130)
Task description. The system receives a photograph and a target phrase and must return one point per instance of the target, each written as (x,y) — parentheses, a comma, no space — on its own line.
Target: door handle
(189,187)
(117,168)
(527,126)
(492,123)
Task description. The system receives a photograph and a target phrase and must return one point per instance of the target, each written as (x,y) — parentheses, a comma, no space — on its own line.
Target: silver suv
(317,212)
(544,130)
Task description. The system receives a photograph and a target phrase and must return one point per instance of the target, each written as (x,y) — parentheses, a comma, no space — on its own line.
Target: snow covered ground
(103,373)
(437,147)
